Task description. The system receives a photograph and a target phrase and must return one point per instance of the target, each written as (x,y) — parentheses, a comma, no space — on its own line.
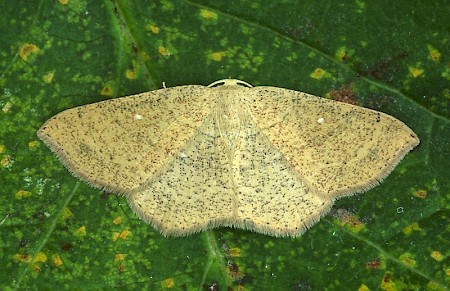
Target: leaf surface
(392,57)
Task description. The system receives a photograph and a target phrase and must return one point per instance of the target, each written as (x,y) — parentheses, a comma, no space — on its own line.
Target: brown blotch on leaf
(379,70)
(422,194)
(346,217)
(105,195)
(375,264)
(233,269)
(344,94)
(387,278)
(67,247)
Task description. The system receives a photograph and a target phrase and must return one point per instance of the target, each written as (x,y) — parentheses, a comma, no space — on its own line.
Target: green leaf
(58,232)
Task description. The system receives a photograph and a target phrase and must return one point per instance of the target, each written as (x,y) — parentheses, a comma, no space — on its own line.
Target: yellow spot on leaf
(66,213)
(408,259)
(412,227)
(2,148)
(57,260)
(168,283)
(5,161)
(117,220)
(415,72)
(24,258)
(437,256)
(420,194)
(388,284)
(63,2)
(80,232)
(318,73)
(27,49)
(48,78)
(235,252)
(342,54)
(22,194)
(163,51)
(153,28)
(145,56)
(434,53)
(119,257)
(363,288)
(208,14)
(217,56)
(7,107)
(106,91)
(130,74)
(33,144)
(123,235)
(40,258)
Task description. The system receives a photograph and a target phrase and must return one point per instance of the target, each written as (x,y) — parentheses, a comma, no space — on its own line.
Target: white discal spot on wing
(267,159)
